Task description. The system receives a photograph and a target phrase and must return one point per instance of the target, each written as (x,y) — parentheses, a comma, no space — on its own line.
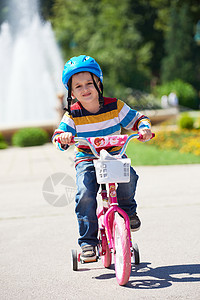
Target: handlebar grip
(59,141)
(141,136)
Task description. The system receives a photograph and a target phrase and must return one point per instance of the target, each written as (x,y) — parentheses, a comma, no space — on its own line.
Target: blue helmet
(82,63)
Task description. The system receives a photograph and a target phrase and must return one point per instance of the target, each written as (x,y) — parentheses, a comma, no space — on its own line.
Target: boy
(94,115)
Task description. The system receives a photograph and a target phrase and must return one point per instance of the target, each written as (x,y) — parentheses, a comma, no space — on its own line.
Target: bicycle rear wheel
(74,260)
(122,252)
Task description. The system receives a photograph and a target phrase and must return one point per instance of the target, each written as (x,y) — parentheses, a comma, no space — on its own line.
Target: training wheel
(74,260)
(136,254)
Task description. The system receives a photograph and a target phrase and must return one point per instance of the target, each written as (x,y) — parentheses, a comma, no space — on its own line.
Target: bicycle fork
(109,214)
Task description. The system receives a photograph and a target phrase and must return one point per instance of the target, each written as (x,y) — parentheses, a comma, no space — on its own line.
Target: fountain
(30,68)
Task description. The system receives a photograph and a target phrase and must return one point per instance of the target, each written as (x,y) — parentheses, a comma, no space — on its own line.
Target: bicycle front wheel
(122,252)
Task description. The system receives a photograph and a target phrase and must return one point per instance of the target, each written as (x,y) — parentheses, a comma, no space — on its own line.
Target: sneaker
(88,253)
(134,222)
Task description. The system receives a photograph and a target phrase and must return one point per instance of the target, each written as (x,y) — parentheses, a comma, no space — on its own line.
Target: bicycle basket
(112,171)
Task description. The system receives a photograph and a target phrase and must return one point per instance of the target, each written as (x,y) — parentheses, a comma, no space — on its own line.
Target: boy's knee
(86,198)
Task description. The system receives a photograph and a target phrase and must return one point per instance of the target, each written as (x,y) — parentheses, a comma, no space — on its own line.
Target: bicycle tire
(74,260)
(122,252)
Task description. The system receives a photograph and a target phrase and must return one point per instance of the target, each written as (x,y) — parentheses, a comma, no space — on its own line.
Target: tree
(178,62)
(107,31)
(3,11)
(46,8)
(126,37)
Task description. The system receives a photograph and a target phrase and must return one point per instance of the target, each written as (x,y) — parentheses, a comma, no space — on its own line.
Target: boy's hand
(66,138)
(146,133)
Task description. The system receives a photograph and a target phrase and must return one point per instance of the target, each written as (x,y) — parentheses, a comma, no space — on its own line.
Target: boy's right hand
(66,138)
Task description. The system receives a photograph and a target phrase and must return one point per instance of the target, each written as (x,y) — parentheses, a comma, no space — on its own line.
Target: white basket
(108,171)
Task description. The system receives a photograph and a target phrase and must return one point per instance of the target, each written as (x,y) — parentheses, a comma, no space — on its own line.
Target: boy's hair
(69,97)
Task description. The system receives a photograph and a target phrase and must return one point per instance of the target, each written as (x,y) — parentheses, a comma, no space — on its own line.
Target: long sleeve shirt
(109,120)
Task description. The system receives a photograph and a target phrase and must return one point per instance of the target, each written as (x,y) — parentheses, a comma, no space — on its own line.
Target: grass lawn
(142,154)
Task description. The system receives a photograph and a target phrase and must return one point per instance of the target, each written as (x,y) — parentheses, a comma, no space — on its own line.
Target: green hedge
(185,92)
(27,137)
(3,144)
(186,121)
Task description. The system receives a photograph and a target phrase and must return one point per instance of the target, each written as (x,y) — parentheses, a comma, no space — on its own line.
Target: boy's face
(83,88)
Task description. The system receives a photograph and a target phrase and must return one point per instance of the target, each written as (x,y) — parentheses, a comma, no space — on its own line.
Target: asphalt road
(36,238)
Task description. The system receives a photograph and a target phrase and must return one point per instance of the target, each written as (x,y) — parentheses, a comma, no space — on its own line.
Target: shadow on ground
(160,277)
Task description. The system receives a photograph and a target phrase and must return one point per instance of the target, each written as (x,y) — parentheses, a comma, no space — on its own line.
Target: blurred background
(140,45)
(149,52)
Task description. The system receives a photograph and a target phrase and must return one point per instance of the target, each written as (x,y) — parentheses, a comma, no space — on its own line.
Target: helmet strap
(101,100)
(69,97)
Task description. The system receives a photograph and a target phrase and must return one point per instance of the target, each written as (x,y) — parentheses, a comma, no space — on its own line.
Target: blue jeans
(86,203)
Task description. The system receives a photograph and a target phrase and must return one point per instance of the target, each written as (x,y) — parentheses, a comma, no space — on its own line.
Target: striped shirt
(107,121)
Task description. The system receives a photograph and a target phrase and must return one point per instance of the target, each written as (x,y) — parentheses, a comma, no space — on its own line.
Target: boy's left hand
(146,133)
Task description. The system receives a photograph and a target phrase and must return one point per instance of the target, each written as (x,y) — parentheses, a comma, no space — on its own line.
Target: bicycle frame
(109,213)
(113,207)
(112,229)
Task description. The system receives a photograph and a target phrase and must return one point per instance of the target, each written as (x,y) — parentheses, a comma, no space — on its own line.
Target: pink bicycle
(114,225)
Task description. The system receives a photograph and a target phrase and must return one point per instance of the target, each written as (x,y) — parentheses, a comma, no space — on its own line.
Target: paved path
(36,238)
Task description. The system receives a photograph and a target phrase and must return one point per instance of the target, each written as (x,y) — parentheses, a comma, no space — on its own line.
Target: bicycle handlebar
(94,151)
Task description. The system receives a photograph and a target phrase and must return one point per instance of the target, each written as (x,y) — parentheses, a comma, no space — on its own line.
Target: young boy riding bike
(92,116)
